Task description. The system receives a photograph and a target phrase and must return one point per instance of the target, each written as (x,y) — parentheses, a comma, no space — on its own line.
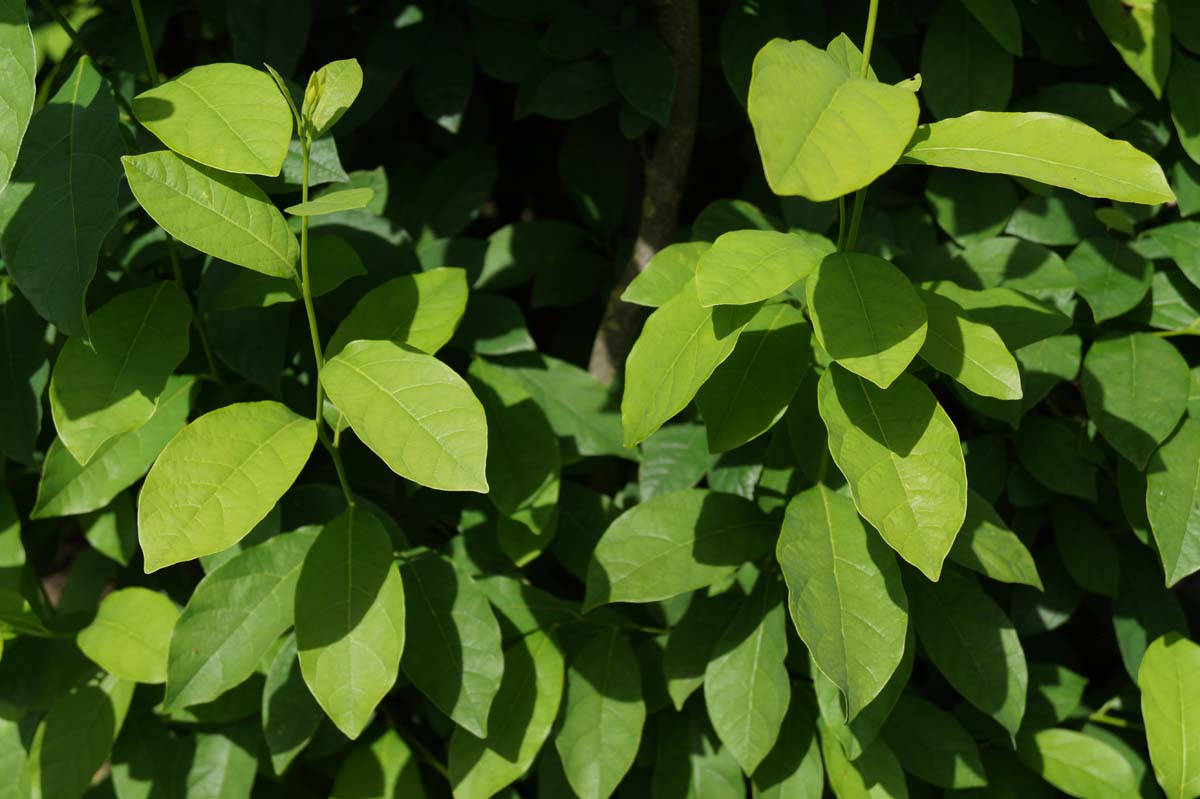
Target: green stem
(841,242)
(144,34)
(860,200)
(1191,330)
(1113,721)
(869,39)
(848,238)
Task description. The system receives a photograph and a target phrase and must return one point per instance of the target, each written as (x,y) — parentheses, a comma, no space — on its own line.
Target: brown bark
(665,175)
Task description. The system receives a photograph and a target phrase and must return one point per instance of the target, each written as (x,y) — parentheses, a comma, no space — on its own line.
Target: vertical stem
(847,242)
(144,33)
(842,223)
(860,199)
(869,39)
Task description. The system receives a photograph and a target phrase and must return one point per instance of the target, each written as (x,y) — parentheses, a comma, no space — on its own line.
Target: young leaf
(1171,712)
(130,635)
(19,62)
(844,594)
(602,717)
(746,266)
(1136,389)
(290,715)
(226,116)
(1141,32)
(412,411)
(970,352)
(1048,148)
(902,457)
(111,385)
(333,202)
(75,738)
(746,685)
(62,199)
(680,346)
(223,215)
(866,315)
(1078,764)
(251,595)
(218,477)
(675,543)
(452,650)
(526,707)
(331,91)
(671,268)
(931,745)
(1173,501)
(823,132)
(350,616)
(973,644)
(420,310)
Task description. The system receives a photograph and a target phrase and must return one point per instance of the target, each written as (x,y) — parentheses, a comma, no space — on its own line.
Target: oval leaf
(1077,764)
(19,63)
(130,635)
(420,310)
(746,266)
(1173,501)
(1171,710)
(970,352)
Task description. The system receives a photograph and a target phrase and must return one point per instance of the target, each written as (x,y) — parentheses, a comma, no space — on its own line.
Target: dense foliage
(579,398)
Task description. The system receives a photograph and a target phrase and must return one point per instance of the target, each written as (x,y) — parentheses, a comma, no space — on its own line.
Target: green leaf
(19,62)
(875,774)
(1173,501)
(220,214)
(970,208)
(75,738)
(1019,320)
(674,458)
(1048,148)
(420,310)
(130,635)
(1136,389)
(866,315)
(1185,110)
(226,116)
(644,72)
(690,643)
(1058,455)
(931,745)
(234,616)
(671,268)
(675,543)
(1113,278)
(225,287)
(680,346)
(973,644)
(62,199)
(1171,712)
(223,763)
(746,685)
(412,411)
(821,131)
(331,91)
(1000,19)
(24,369)
(1181,240)
(986,545)
(748,393)
(746,266)
(452,650)
(970,352)
(1055,692)
(793,769)
(902,457)
(110,385)
(218,477)
(331,202)
(526,706)
(290,715)
(845,594)
(350,619)
(1141,32)
(1078,764)
(964,68)
(602,716)
(384,769)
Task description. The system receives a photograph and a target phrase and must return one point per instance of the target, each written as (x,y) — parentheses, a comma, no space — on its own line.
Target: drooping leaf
(823,132)
(902,457)
(350,619)
(420,310)
(1048,148)
(19,63)
(970,352)
(844,594)
(130,635)
(1171,712)
(746,266)
(197,498)
(227,116)
(1077,764)
(932,745)
(1173,501)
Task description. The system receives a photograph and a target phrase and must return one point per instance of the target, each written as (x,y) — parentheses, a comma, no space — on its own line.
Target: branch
(666,173)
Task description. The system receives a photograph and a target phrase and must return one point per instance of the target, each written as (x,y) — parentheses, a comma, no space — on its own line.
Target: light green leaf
(526,707)
(331,91)
(875,774)
(384,769)
(746,266)
(821,131)
(75,738)
(62,199)
(1167,678)
(844,594)
(1048,148)
(972,643)
(931,745)
(602,717)
(970,352)
(19,63)
(218,477)
(220,214)
(985,545)
(67,489)
(130,635)
(226,116)
(350,619)
(1173,501)
(902,457)
(1136,389)
(671,268)
(1000,19)
(412,411)
(675,543)
(680,346)
(1141,32)
(420,310)
(1078,764)
(452,650)
(1020,320)
(110,385)
(234,616)
(866,315)
(223,763)
(748,393)
(746,685)
(1113,277)
(674,458)
(290,715)
(332,202)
